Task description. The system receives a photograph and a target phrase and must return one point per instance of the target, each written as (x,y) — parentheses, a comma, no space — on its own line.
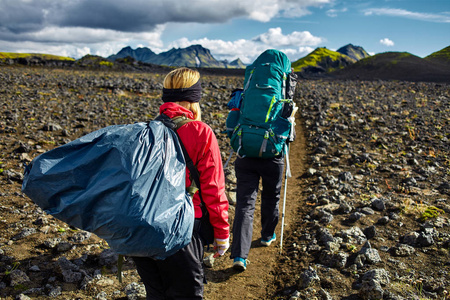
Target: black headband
(190,94)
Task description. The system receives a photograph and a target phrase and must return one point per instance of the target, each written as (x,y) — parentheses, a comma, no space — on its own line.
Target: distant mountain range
(353,62)
(193,56)
(348,62)
(197,56)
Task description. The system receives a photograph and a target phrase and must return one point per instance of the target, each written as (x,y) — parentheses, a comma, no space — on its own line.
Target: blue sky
(229,29)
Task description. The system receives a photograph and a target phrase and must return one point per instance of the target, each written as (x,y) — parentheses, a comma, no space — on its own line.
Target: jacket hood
(173,110)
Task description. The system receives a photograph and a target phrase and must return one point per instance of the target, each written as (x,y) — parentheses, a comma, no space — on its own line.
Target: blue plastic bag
(235,99)
(124,183)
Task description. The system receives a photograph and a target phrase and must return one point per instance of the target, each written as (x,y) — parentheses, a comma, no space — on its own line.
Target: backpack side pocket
(232,121)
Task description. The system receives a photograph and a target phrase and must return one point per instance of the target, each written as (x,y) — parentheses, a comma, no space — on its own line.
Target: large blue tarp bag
(124,183)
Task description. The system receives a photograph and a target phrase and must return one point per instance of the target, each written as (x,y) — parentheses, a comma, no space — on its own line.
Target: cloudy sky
(229,28)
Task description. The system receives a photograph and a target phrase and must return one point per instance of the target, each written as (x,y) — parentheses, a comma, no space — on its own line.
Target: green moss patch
(10,55)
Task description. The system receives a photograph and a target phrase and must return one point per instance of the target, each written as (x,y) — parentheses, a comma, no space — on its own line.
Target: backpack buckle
(272,134)
(192,189)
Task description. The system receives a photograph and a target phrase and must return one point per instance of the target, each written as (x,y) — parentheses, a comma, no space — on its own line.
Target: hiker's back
(264,86)
(263,126)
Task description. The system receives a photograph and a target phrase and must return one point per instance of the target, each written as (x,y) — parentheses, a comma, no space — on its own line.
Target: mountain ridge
(192,56)
(349,62)
(441,56)
(396,66)
(142,54)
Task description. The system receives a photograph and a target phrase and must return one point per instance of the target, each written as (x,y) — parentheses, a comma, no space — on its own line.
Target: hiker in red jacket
(181,276)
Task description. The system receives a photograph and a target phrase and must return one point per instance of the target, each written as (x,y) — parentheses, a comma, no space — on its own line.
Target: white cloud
(75,51)
(297,53)
(93,36)
(299,8)
(103,27)
(21,16)
(275,37)
(387,42)
(295,45)
(395,12)
(334,12)
(80,52)
(77,42)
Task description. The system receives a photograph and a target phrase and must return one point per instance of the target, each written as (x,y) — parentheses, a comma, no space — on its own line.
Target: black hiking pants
(248,173)
(180,276)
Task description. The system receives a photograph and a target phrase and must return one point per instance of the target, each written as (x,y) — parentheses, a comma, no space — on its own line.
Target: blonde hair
(184,78)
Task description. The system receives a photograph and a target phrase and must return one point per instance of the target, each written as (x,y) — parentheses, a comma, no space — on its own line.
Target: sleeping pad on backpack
(124,183)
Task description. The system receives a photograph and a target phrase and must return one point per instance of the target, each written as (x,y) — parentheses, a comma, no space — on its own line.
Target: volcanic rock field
(369,202)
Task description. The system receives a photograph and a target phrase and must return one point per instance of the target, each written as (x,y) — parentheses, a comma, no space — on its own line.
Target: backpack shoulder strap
(175,124)
(206,229)
(180,121)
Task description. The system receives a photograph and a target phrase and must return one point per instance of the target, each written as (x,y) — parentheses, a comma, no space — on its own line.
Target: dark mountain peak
(348,46)
(126,50)
(355,52)
(144,53)
(237,63)
(144,49)
(197,48)
(141,54)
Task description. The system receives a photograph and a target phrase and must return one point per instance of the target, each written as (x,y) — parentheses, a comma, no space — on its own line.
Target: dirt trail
(258,281)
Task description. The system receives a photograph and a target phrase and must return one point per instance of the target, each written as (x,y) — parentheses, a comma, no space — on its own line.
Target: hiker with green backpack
(181,276)
(260,126)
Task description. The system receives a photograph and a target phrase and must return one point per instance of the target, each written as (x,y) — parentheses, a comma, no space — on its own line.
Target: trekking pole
(288,174)
(229,157)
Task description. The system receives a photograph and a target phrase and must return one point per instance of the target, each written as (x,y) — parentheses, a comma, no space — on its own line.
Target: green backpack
(262,123)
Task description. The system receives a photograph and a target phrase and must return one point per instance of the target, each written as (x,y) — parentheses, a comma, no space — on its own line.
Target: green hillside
(10,55)
(386,59)
(441,56)
(93,61)
(395,66)
(323,58)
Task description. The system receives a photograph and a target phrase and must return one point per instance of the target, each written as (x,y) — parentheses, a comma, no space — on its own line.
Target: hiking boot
(239,264)
(268,242)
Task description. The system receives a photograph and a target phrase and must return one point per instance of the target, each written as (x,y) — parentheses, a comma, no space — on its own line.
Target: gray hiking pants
(248,173)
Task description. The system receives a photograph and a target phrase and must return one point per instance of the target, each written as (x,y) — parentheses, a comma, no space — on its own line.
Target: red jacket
(202,147)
